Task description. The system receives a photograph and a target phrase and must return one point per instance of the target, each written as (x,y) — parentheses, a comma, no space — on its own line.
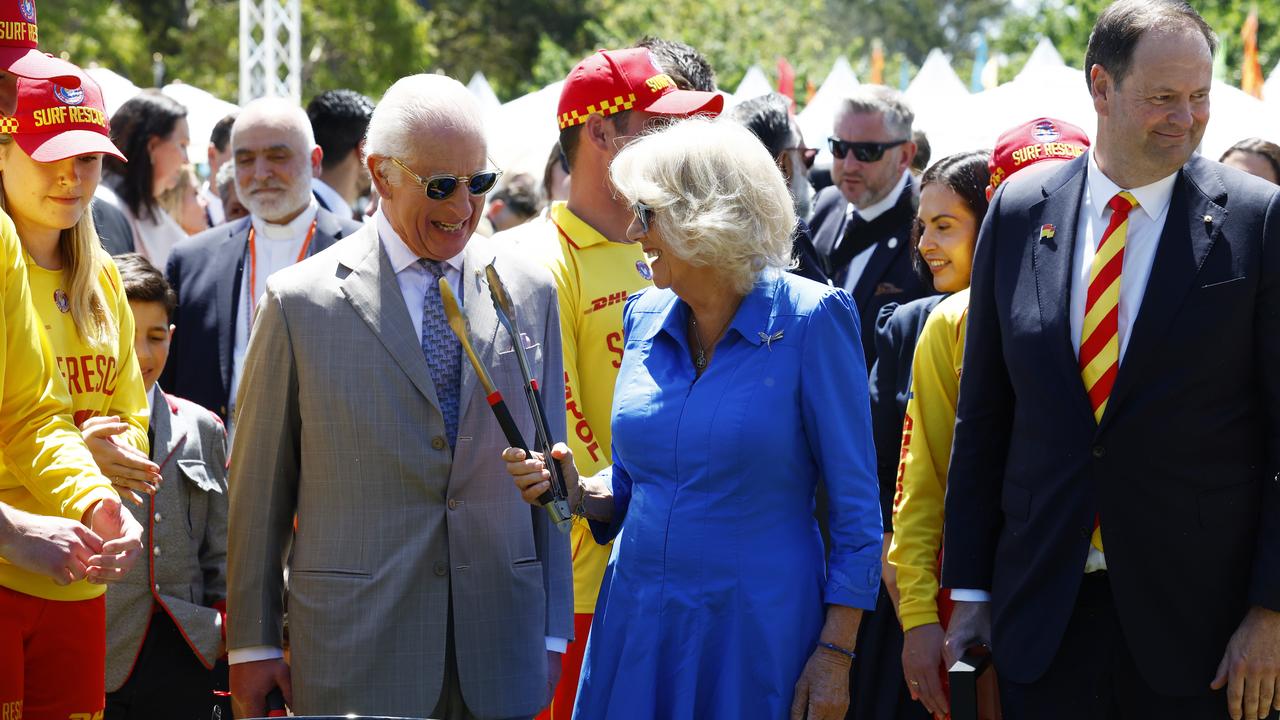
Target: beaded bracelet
(836,648)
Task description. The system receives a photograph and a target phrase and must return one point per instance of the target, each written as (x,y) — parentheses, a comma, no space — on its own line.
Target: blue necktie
(442,350)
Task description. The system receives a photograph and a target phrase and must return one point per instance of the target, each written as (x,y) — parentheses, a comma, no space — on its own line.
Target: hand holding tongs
(555,499)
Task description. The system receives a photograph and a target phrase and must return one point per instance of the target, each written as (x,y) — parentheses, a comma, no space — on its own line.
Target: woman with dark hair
(1256,157)
(953,201)
(151,130)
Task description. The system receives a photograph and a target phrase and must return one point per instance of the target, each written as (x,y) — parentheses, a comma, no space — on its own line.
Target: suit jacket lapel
(372,290)
(482,319)
(1185,241)
(229,274)
(1052,232)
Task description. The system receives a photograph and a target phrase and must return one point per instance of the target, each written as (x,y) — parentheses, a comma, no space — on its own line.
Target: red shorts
(52,657)
(570,668)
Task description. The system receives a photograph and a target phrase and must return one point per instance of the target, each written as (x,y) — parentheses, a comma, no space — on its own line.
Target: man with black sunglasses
(221,273)
(862,224)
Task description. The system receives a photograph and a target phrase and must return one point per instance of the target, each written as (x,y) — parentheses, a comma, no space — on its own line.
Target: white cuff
(253,653)
(559,645)
(970,595)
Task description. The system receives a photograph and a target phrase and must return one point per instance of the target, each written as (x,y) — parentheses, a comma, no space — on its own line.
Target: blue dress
(714,597)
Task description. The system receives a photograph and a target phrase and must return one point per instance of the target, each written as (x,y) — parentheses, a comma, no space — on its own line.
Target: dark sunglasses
(644,215)
(866,152)
(440,187)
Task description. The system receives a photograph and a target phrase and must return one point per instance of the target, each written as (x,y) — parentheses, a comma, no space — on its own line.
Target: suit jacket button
(1099,451)
(157,588)
(156,551)
(157,517)
(440,569)
(453,504)
(438,442)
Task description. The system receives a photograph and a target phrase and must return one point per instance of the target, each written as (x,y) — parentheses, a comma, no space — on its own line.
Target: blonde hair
(82,265)
(720,199)
(171,200)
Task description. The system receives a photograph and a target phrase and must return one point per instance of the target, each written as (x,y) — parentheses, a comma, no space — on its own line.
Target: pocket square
(887,288)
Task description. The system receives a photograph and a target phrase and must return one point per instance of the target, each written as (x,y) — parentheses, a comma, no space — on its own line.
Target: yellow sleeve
(41,444)
(922,474)
(129,401)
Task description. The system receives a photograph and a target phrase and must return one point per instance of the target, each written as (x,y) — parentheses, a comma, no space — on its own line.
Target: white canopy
(521,132)
(754,84)
(484,94)
(817,117)
(935,91)
(116,89)
(204,110)
(1235,115)
(1271,88)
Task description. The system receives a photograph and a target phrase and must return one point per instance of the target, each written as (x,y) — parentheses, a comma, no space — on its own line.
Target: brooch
(768,339)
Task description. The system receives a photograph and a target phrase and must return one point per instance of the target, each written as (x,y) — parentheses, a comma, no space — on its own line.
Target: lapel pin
(1208,219)
(893,243)
(1047,231)
(768,339)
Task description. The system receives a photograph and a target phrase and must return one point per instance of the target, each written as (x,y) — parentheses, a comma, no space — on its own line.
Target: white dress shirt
(859,262)
(275,247)
(1142,237)
(213,204)
(412,279)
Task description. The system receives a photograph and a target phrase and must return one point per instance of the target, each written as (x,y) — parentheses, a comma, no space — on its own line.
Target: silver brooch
(768,339)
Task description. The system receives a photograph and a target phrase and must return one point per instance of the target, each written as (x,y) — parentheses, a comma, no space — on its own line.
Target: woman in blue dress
(741,388)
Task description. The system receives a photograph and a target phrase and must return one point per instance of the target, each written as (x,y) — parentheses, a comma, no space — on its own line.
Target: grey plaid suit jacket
(185,540)
(338,421)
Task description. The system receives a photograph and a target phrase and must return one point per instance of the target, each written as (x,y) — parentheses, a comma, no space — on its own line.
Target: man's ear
(1101,87)
(908,155)
(596,133)
(495,206)
(317,154)
(373,165)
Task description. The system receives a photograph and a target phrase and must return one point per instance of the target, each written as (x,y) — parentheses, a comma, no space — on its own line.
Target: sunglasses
(807,154)
(440,187)
(866,152)
(644,216)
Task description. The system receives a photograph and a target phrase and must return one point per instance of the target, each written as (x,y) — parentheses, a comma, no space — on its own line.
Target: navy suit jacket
(1182,469)
(888,277)
(205,271)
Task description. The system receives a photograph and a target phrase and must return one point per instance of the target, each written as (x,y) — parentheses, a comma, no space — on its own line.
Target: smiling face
(152,334)
(433,229)
(51,196)
(1151,122)
(273,168)
(669,270)
(949,233)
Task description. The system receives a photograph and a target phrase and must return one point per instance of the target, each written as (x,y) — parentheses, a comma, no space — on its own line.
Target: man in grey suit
(420,584)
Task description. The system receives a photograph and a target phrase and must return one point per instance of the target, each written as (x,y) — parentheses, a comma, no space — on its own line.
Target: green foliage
(95,30)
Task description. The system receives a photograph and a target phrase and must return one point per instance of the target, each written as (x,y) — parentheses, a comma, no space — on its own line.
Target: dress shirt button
(453,504)
(156,551)
(157,588)
(440,569)
(438,442)
(1099,451)
(157,518)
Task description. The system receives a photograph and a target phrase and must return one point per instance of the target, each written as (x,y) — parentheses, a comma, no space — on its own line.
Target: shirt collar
(1152,199)
(400,255)
(882,206)
(295,229)
(575,229)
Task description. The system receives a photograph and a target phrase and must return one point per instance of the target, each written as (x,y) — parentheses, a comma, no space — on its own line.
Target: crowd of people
(828,434)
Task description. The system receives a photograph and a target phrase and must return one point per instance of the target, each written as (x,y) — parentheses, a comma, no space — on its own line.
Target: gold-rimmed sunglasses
(440,187)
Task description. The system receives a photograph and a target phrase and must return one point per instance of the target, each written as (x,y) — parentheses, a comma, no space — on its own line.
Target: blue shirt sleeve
(836,408)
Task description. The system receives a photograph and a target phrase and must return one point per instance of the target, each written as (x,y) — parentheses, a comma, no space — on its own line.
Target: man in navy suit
(220,273)
(861,225)
(1113,502)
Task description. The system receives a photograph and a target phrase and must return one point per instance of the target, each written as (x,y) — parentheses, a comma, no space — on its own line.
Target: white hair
(414,107)
(281,113)
(720,199)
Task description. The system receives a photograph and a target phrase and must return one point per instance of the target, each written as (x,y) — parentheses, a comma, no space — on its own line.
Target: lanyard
(251,300)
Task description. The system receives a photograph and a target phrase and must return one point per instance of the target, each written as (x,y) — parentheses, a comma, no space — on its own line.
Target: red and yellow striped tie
(1100,339)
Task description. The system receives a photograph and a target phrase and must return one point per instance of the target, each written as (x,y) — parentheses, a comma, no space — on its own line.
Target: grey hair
(413,106)
(880,100)
(279,112)
(225,178)
(720,199)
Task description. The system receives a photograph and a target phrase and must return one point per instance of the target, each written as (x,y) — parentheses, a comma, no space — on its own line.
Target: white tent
(754,84)
(204,110)
(816,118)
(484,94)
(1271,88)
(116,89)
(1235,115)
(935,91)
(521,132)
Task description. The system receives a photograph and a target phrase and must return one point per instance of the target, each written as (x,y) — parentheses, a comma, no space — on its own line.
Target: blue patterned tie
(442,350)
